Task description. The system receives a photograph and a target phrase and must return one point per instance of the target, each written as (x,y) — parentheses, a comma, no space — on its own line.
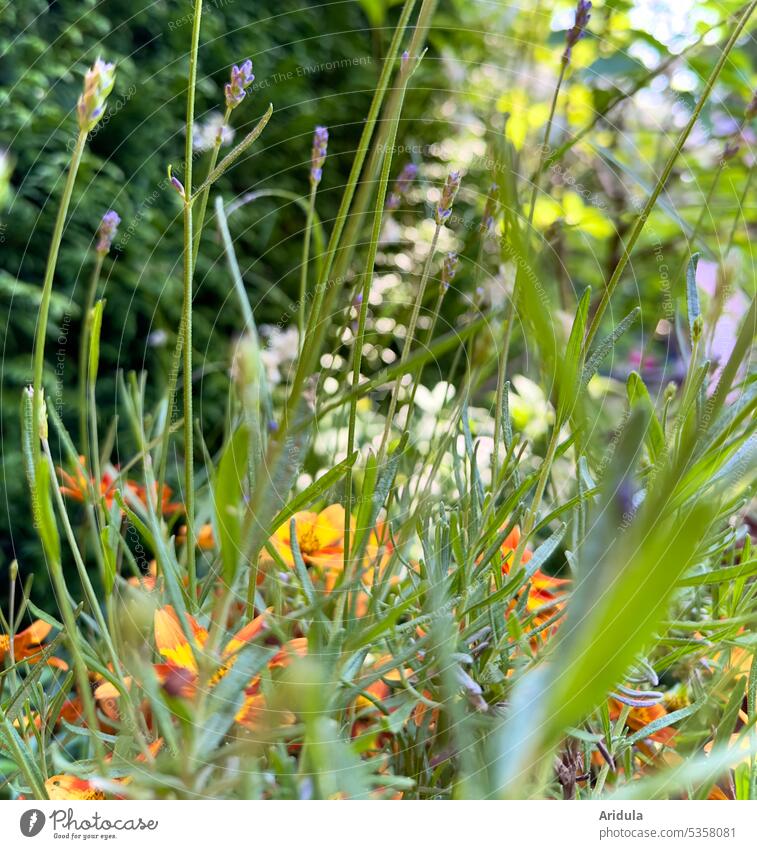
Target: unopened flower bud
(42,421)
(451,186)
(107,231)
(98,84)
(578,30)
(318,156)
(449,269)
(177,184)
(241,79)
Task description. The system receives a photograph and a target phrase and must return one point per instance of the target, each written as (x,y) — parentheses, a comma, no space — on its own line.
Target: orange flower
(639,717)
(255,714)
(545,592)
(62,788)
(76,486)
(70,787)
(147,581)
(181,662)
(320,537)
(203,535)
(29,645)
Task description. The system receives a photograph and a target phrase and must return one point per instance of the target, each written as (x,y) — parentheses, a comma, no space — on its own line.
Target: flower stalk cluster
(449,269)
(449,192)
(98,84)
(107,231)
(318,156)
(241,79)
(578,30)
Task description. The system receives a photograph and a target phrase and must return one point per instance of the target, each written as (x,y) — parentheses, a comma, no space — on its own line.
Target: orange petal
(171,641)
(245,634)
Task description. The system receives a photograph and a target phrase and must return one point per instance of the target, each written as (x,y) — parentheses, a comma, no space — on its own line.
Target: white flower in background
(280,351)
(531,412)
(495,290)
(205,134)
(433,401)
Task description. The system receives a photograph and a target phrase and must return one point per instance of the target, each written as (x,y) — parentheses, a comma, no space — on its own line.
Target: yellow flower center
(308,540)
(5,644)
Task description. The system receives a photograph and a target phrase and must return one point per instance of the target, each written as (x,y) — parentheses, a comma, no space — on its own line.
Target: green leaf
(638,398)
(44,514)
(720,576)
(299,564)
(228,500)
(94,341)
(663,722)
(604,347)
(571,365)
(692,294)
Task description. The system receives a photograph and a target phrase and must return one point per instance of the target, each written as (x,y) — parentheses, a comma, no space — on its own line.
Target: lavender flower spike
(401,185)
(241,79)
(106,232)
(98,84)
(444,209)
(578,30)
(318,157)
(449,269)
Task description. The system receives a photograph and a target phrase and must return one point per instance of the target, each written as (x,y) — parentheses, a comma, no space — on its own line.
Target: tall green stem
(47,287)
(510,314)
(305,260)
(408,341)
(312,341)
(84,354)
(187,306)
(203,198)
(370,261)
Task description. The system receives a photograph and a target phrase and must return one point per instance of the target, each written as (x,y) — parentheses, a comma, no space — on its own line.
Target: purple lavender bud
(449,269)
(241,79)
(730,150)
(490,208)
(578,30)
(318,156)
(444,209)
(401,185)
(179,186)
(98,84)
(106,232)
(404,61)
